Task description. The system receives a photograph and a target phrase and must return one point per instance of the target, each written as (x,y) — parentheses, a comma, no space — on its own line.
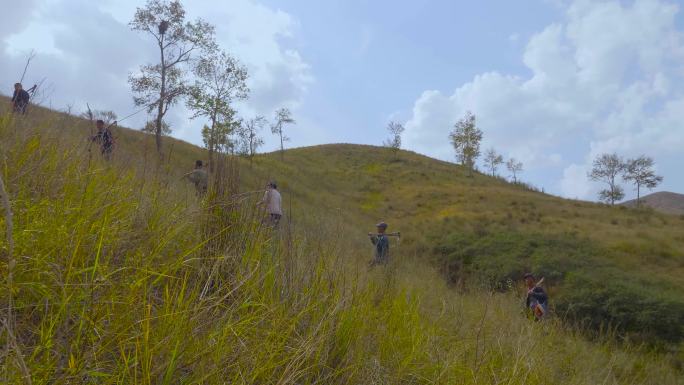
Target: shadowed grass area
(123,277)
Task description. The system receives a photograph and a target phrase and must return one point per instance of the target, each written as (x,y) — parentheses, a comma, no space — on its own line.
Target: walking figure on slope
(199,178)
(537,301)
(381,242)
(20,99)
(272,200)
(104,138)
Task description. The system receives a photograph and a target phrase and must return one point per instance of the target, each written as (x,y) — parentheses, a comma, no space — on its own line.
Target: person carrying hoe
(537,300)
(20,99)
(381,243)
(199,178)
(104,138)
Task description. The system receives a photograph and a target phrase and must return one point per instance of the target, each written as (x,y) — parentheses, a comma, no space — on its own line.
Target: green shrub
(496,258)
(630,308)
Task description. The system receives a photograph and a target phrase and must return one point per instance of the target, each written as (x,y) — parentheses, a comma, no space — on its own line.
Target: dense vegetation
(123,277)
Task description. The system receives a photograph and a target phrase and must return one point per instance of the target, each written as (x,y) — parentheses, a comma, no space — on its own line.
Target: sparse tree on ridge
(151,128)
(606,168)
(159,86)
(466,138)
(394,142)
(640,172)
(282,117)
(249,136)
(221,79)
(514,167)
(492,161)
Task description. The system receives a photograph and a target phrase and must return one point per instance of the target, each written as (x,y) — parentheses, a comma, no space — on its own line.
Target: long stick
(397,234)
(28,61)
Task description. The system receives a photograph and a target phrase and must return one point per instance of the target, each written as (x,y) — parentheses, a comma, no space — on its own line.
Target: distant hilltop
(664,201)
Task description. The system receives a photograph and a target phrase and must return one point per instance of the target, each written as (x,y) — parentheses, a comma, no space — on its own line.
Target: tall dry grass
(123,276)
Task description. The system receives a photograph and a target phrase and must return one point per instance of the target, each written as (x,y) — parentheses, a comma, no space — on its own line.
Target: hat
(381,225)
(528,275)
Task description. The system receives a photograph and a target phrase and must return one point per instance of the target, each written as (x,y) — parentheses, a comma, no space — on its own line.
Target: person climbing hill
(381,243)
(537,300)
(20,99)
(199,178)
(272,200)
(104,138)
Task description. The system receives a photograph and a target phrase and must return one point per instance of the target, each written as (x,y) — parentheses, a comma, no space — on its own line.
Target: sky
(553,83)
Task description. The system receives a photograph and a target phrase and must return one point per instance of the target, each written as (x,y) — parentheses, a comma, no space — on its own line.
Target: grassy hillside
(605,265)
(120,276)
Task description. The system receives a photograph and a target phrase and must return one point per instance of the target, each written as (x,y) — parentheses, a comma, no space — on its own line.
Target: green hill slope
(604,264)
(119,275)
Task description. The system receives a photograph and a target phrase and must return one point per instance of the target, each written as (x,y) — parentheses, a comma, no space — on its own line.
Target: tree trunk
(158,128)
(211,144)
(250,151)
(638,195)
(211,159)
(160,104)
(282,147)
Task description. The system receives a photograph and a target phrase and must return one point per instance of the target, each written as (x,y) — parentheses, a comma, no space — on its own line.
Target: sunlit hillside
(120,275)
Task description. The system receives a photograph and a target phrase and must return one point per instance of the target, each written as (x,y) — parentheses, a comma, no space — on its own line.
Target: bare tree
(492,161)
(514,167)
(394,142)
(159,86)
(282,117)
(221,80)
(640,172)
(108,117)
(249,136)
(606,168)
(466,138)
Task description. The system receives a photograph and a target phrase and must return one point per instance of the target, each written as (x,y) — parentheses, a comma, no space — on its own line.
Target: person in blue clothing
(381,243)
(537,300)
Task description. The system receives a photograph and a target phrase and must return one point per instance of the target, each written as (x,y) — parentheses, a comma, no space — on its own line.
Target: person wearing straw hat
(381,243)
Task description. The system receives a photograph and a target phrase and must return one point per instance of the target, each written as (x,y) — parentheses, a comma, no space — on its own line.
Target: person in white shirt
(272,201)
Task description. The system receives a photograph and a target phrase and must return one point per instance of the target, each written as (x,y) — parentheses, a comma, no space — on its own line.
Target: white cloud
(15,16)
(607,78)
(86,49)
(574,183)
